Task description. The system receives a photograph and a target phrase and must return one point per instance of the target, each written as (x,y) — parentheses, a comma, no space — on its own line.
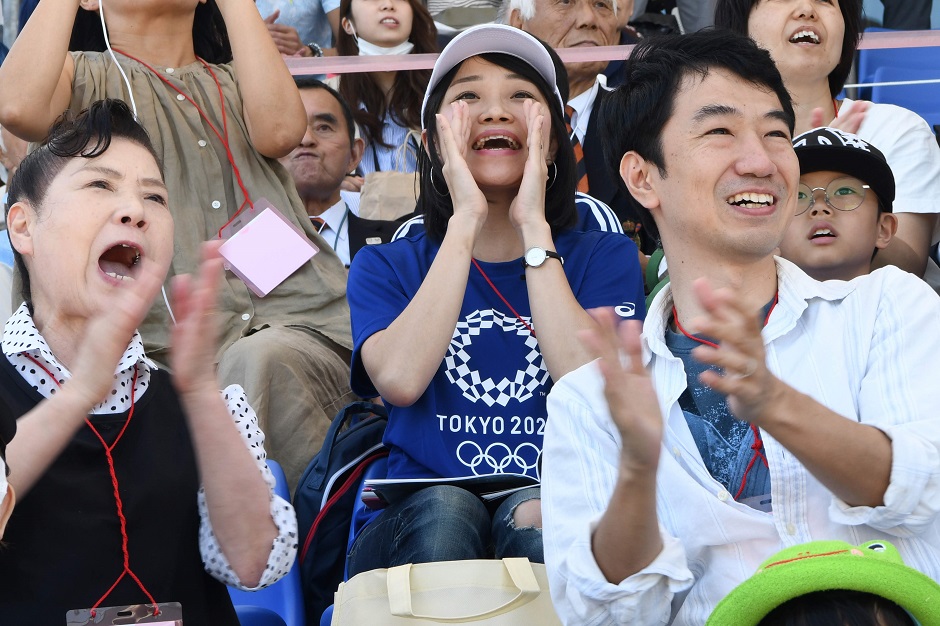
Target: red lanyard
(758,445)
(127,571)
(222,137)
(835,107)
(501,297)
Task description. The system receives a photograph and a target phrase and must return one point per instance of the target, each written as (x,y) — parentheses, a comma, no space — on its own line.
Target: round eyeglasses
(842,194)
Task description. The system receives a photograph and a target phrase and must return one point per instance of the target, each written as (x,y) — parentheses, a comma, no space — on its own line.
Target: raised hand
(195,334)
(453,137)
(285,37)
(107,335)
(748,384)
(628,388)
(849,118)
(528,207)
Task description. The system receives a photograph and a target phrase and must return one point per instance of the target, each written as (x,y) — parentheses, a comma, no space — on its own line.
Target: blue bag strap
(346,416)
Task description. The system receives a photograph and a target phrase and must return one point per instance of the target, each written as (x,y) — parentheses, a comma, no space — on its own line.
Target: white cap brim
(488,38)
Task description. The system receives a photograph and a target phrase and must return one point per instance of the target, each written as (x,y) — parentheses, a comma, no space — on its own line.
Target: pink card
(267,250)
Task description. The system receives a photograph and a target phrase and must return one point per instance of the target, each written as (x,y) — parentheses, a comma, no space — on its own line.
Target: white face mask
(367,49)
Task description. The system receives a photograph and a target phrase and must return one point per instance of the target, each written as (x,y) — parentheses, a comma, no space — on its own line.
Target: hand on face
(453,137)
(528,207)
(750,387)
(628,388)
(194,336)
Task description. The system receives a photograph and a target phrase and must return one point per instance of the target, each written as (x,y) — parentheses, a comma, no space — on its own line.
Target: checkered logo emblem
(476,386)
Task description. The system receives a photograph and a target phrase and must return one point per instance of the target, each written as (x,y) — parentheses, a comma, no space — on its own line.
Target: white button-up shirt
(335,230)
(866,349)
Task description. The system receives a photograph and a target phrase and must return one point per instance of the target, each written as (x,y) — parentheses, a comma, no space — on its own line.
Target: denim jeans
(444,523)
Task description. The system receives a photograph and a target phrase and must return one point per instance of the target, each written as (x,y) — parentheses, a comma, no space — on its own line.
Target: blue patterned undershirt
(723,440)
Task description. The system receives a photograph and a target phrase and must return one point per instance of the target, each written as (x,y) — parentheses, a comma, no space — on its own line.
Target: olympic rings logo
(499,458)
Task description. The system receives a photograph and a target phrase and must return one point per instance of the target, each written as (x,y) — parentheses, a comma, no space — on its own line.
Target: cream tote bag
(507,592)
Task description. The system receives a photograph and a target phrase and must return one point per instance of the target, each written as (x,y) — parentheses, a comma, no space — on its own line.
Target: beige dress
(289,350)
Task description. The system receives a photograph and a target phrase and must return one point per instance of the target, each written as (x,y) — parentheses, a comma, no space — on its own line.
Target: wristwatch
(315,49)
(535,257)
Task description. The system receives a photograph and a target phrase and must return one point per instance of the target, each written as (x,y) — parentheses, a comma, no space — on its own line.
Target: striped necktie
(578,152)
(318,223)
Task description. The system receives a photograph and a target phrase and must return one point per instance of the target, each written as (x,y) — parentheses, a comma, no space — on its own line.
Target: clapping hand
(628,388)
(194,336)
(285,37)
(748,384)
(107,335)
(849,119)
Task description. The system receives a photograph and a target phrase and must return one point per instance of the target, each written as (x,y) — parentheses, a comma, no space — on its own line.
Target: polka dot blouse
(21,338)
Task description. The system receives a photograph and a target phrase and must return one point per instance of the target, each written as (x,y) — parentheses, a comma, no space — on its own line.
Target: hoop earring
(553,174)
(434,187)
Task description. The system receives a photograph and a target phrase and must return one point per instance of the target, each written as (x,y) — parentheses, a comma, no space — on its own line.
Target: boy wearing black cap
(844,205)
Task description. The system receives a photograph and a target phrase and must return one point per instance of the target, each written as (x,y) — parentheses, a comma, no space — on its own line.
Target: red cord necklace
(127,571)
(223,136)
(501,297)
(758,445)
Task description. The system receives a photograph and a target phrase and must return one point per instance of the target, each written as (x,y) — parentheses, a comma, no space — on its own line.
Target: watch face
(535,256)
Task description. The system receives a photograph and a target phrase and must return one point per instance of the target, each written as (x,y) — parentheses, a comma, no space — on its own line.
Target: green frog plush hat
(874,567)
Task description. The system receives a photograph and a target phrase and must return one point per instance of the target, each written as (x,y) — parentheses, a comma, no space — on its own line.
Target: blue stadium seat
(361,514)
(922,99)
(870,60)
(282,603)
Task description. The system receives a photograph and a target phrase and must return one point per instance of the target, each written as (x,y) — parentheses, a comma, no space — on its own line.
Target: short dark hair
(837,606)
(734,14)
(309,82)
(210,37)
(633,116)
(84,135)
(560,211)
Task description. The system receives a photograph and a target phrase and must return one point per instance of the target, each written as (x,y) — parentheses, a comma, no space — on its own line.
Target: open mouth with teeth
(820,233)
(805,36)
(496,142)
(750,200)
(389,20)
(120,261)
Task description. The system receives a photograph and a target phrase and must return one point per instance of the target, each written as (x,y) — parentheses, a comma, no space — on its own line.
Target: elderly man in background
(577,24)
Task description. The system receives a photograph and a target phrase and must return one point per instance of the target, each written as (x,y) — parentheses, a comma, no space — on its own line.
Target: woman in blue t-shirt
(445,322)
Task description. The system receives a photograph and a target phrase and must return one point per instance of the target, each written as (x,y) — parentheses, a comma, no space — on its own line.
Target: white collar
(334,218)
(583,105)
(794,287)
(21,336)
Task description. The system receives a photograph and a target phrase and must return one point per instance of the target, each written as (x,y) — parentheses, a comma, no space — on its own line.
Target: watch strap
(549,254)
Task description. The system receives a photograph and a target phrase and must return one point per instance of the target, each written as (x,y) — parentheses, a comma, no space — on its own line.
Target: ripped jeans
(444,523)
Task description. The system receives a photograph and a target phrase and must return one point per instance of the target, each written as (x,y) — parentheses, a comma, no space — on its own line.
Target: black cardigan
(63,542)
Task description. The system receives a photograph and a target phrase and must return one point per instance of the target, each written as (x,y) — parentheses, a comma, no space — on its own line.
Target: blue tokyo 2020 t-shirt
(484,411)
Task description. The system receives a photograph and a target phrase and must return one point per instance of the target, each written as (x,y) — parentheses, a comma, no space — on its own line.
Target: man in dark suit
(328,151)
